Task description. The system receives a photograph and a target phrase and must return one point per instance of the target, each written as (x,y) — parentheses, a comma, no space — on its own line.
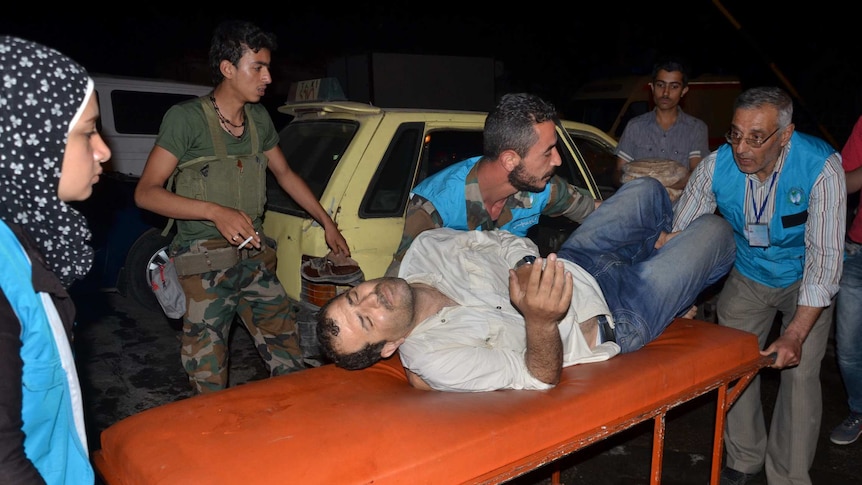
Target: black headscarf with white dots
(42,94)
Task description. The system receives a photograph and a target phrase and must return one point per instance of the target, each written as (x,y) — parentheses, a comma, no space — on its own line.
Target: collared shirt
(824,234)
(643,138)
(480,344)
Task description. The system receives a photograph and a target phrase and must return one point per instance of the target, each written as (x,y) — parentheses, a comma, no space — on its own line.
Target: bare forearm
(544,357)
(233,224)
(542,293)
(301,193)
(803,321)
(854,180)
(168,204)
(293,184)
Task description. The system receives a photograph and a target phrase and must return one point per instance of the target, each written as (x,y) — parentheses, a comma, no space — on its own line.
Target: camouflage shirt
(565,200)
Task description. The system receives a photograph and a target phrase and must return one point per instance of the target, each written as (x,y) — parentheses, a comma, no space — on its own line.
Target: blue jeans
(647,288)
(848,325)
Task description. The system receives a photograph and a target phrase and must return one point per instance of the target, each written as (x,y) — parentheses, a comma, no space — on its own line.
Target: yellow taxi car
(362,161)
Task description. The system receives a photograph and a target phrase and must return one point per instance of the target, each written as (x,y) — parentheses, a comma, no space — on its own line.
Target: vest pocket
(239,183)
(251,187)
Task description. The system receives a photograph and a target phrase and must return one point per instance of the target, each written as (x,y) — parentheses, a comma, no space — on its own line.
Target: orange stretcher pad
(329,425)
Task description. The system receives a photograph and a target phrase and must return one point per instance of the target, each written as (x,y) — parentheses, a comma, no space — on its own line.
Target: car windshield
(313,150)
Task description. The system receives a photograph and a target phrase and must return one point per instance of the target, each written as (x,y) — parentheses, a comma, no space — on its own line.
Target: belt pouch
(199,260)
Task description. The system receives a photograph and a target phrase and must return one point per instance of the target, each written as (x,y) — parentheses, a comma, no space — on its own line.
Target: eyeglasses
(734,137)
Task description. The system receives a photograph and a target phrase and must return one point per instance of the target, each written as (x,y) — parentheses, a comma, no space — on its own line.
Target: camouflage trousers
(250,290)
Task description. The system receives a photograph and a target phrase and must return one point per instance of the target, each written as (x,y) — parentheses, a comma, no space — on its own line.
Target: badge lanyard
(758,234)
(759,213)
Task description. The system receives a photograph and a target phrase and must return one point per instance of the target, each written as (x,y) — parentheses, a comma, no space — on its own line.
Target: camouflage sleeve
(421,216)
(568,200)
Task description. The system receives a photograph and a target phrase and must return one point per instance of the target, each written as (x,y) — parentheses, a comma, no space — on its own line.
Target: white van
(132,110)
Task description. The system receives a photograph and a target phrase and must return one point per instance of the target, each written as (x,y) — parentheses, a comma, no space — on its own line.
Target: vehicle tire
(135,281)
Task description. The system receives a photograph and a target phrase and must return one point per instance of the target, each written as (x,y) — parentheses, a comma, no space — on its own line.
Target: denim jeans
(646,288)
(848,325)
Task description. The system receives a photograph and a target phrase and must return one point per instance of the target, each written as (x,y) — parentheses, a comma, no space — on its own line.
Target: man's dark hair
(510,125)
(671,64)
(328,329)
(229,41)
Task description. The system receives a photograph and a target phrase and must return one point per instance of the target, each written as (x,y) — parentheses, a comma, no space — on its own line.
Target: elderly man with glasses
(784,194)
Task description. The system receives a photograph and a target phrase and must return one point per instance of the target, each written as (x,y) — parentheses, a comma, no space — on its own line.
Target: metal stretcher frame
(328,425)
(727,394)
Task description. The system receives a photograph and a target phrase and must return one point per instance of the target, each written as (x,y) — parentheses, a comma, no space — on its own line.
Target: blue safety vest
(446,191)
(783,261)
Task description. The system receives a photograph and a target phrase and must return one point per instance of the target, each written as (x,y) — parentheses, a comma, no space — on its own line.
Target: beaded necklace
(226,123)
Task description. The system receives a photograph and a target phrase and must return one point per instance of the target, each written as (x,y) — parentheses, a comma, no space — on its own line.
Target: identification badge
(758,235)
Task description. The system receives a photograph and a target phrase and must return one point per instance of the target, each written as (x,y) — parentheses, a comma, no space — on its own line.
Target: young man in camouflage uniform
(218,147)
(508,187)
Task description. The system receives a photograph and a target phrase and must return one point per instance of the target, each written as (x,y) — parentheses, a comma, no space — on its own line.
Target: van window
(141,112)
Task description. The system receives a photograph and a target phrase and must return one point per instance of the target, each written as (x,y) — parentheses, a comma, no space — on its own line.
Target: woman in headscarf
(50,154)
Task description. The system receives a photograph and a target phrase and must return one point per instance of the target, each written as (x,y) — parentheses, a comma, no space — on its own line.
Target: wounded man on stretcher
(481,310)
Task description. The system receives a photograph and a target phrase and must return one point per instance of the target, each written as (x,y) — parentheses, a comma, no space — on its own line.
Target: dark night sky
(544,48)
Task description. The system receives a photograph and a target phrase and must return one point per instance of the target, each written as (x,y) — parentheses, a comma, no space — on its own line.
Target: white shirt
(480,344)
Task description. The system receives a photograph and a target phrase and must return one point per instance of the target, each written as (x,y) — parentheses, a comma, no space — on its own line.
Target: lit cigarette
(248,239)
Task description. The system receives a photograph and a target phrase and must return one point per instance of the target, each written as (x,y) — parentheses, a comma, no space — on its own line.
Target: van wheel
(144,251)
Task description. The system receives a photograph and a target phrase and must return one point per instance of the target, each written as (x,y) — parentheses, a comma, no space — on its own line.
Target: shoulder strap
(218,147)
(252,131)
(215,132)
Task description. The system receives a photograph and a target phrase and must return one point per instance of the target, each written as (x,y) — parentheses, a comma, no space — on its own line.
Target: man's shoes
(848,431)
(336,270)
(729,476)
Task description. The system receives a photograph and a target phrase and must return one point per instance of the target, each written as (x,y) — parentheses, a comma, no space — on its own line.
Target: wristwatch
(525,260)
